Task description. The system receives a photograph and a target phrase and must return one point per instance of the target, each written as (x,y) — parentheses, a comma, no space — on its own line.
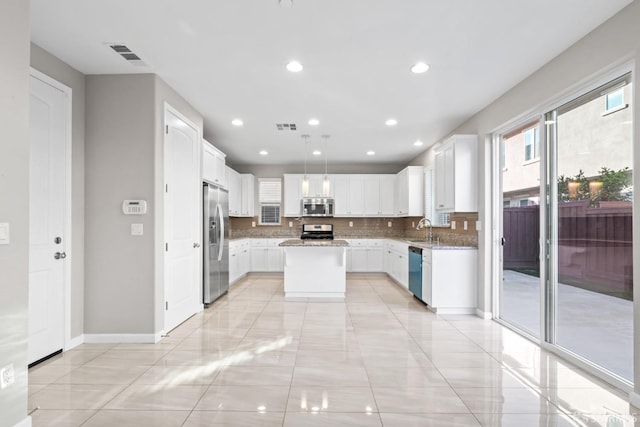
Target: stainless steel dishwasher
(415,271)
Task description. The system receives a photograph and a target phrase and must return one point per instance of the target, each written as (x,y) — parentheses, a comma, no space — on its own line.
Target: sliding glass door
(589,227)
(520,178)
(566,262)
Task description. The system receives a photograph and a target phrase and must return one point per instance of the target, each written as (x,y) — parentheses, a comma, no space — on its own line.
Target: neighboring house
(605,142)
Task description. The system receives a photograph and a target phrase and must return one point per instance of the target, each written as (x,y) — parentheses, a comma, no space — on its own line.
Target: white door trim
(68,340)
(168,108)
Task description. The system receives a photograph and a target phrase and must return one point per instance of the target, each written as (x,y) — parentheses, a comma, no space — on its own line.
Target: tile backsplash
(363,228)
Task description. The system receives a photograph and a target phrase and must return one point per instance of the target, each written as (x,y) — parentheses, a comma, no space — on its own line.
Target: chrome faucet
(421,225)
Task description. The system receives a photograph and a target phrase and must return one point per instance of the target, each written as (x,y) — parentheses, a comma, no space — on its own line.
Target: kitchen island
(315,268)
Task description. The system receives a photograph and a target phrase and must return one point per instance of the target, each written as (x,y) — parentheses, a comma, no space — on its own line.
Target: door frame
(68,341)
(168,108)
(540,110)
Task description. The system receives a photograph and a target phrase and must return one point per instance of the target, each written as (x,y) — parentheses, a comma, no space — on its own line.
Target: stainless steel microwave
(317,206)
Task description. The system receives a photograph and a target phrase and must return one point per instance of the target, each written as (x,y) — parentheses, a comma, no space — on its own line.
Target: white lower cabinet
(396,261)
(449,280)
(266,255)
(239,259)
(365,255)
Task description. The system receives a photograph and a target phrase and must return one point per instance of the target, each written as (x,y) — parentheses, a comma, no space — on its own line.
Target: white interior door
(48,242)
(183,282)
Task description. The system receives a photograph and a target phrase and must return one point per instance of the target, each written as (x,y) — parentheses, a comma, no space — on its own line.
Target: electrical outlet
(350,223)
(253,224)
(465,225)
(389,224)
(7,376)
(453,225)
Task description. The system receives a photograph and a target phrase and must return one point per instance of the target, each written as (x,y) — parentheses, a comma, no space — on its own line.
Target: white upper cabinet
(241,193)
(354,195)
(213,165)
(456,175)
(341,194)
(379,195)
(234,184)
(292,194)
(409,194)
(247,200)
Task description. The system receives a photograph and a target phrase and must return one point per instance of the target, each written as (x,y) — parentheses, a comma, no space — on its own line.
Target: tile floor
(378,358)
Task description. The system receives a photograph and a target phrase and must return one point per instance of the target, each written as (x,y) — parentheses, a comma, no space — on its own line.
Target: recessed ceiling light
(314,122)
(420,68)
(294,66)
(237,122)
(371,153)
(391,122)
(264,152)
(418,143)
(316,152)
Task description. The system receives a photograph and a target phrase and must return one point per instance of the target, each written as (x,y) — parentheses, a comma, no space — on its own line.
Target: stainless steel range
(317,231)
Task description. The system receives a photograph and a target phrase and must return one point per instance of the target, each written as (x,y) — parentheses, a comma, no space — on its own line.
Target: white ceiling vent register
(126,53)
(286,126)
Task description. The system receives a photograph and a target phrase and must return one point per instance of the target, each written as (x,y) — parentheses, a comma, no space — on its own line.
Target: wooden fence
(594,245)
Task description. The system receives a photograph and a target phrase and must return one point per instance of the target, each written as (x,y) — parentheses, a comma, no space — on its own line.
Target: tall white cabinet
(456,175)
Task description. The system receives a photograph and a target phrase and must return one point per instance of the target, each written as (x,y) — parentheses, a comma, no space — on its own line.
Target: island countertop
(314,243)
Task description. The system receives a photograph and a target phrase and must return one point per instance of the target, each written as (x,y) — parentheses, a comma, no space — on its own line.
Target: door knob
(196,245)
(60,255)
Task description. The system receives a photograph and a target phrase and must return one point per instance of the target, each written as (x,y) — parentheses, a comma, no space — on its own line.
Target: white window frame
(608,109)
(535,144)
(270,199)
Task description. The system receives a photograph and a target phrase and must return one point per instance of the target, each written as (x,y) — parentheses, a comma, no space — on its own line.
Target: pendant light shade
(326,184)
(305,179)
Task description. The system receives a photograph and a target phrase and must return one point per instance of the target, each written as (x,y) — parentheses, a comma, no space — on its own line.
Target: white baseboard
(74,342)
(122,338)
(484,314)
(25,422)
(634,399)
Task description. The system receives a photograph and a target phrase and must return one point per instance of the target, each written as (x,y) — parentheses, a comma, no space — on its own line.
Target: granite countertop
(300,242)
(434,245)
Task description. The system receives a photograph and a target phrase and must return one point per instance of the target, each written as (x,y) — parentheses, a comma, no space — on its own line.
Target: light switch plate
(4,233)
(290,224)
(350,223)
(253,224)
(389,224)
(465,225)
(137,229)
(453,225)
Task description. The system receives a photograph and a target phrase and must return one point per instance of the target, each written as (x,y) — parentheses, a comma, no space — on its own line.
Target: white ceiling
(227,58)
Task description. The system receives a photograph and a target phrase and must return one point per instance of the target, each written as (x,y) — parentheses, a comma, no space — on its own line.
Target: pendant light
(326,184)
(305,179)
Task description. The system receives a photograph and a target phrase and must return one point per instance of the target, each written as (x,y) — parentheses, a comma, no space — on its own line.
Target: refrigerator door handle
(221,240)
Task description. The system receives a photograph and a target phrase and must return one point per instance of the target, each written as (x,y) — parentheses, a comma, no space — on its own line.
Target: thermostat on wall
(134,207)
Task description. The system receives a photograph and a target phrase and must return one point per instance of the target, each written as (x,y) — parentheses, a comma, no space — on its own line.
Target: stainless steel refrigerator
(216,243)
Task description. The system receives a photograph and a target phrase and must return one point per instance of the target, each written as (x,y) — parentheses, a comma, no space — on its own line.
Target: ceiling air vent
(286,126)
(127,54)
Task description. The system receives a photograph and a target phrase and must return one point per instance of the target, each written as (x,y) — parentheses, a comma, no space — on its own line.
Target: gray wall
(119,152)
(124,160)
(48,64)
(613,43)
(14,205)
